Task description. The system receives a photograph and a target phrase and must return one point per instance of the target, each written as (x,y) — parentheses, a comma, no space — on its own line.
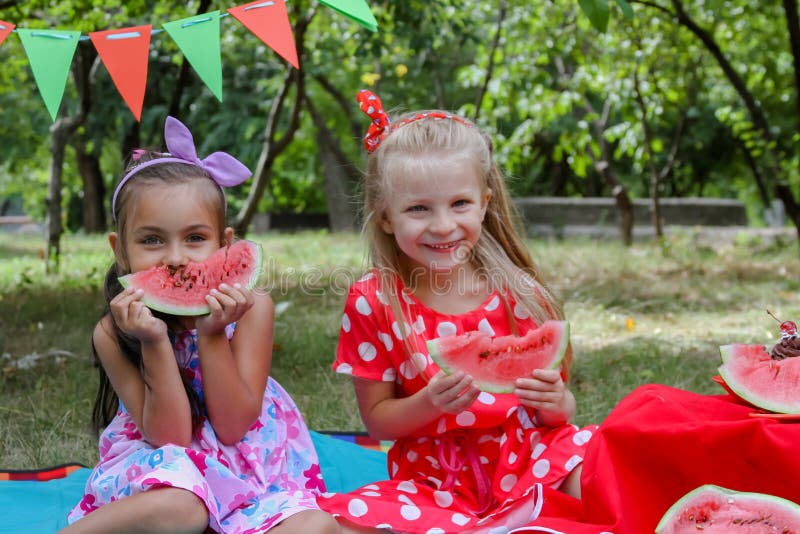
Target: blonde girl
(447,259)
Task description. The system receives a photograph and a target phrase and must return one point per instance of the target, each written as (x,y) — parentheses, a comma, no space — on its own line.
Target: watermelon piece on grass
(711,508)
(496,363)
(751,374)
(183,291)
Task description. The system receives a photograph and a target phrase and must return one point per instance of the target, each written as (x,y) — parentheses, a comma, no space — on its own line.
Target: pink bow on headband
(223,168)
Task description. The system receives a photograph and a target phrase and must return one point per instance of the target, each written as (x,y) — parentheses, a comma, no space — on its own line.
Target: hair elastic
(223,168)
(380,127)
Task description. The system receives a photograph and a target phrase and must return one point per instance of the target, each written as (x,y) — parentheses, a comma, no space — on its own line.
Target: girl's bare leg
(311,521)
(159,510)
(572,484)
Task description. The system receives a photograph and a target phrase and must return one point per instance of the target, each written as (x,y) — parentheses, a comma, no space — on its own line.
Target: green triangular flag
(358,10)
(50,55)
(198,39)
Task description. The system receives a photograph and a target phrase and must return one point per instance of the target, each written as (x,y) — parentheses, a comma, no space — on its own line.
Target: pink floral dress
(485,467)
(271,474)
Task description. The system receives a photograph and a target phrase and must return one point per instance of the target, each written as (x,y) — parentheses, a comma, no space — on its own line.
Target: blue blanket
(34,507)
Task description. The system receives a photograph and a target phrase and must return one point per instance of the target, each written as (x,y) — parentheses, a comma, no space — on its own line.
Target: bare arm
(387,416)
(235,372)
(155,398)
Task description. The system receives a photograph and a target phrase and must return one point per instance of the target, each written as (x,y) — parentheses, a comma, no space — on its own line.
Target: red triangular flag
(5,29)
(268,21)
(125,53)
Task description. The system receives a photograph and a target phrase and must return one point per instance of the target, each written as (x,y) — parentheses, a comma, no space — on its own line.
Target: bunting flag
(50,55)
(5,29)
(358,10)
(125,53)
(198,39)
(269,21)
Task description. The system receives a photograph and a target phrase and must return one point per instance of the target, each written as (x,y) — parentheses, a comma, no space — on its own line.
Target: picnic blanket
(37,502)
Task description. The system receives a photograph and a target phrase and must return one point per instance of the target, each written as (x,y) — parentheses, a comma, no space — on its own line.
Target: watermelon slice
(496,363)
(750,372)
(183,291)
(712,508)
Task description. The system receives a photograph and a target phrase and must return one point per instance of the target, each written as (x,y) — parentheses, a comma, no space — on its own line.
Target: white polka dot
(346,322)
(408,370)
(465,418)
(419,325)
(370,494)
(389,375)
(503,439)
(484,460)
(500,530)
(582,437)
(511,411)
(512,457)
(406,297)
(520,312)
(357,507)
(485,327)
(572,462)
(520,435)
(486,398)
(373,487)
(435,530)
(441,426)
(412,456)
(493,304)
(363,306)
(395,468)
(420,360)
(507,482)
(382,298)
(367,351)
(538,450)
(401,333)
(459,519)
(366,277)
(443,498)
(446,329)
(386,339)
(541,468)
(410,512)
(384,525)
(408,487)
(345,368)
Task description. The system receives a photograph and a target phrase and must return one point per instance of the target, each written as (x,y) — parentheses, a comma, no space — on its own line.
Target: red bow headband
(379,128)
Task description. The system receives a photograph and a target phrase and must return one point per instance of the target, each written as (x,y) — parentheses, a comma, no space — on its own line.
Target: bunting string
(125,51)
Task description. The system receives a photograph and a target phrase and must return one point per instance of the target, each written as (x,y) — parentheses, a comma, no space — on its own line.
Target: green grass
(683,297)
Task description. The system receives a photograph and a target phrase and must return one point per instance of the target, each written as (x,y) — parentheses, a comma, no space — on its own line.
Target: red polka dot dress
(483,468)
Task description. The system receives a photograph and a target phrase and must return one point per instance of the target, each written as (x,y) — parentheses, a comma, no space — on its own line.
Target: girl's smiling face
(435,216)
(171,225)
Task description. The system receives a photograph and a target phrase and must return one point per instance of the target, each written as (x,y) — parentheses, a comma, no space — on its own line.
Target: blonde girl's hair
(421,146)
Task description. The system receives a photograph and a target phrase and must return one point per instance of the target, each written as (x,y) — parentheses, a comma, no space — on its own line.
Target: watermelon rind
(154,303)
(713,493)
(558,353)
(740,388)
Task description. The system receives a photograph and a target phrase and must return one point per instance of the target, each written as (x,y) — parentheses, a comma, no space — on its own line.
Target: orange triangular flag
(124,53)
(5,29)
(268,21)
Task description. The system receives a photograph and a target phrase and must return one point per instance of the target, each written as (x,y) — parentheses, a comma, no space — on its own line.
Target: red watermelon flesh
(496,363)
(750,372)
(183,291)
(712,508)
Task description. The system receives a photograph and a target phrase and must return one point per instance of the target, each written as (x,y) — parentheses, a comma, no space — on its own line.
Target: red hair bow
(372,106)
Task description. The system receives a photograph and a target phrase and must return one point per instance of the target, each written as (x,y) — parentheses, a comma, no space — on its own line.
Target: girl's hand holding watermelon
(452,393)
(546,393)
(228,304)
(136,319)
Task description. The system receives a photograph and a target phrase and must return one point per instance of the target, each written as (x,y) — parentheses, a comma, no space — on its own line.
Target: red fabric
(660,443)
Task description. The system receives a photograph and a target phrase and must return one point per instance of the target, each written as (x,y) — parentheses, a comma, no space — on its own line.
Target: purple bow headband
(224,169)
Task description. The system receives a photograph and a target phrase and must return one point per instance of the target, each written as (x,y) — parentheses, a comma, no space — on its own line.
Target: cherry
(788,328)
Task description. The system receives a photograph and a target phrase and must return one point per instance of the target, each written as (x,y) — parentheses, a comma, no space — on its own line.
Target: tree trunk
(501,17)
(273,148)
(658,224)
(339,173)
(60,132)
(93,211)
